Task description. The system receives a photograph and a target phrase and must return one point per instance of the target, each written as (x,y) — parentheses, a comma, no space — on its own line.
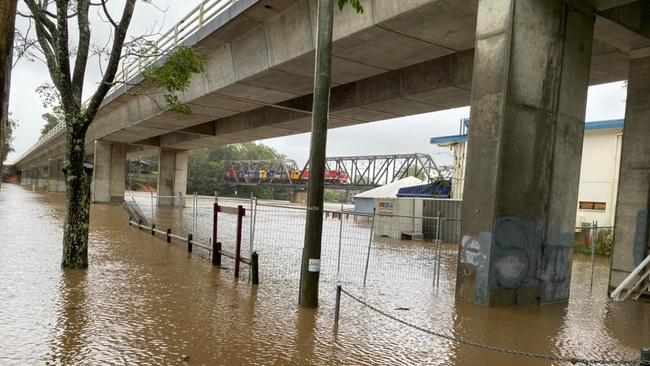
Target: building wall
(601,157)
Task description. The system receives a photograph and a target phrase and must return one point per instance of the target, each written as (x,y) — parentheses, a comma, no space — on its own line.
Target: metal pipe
(630,277)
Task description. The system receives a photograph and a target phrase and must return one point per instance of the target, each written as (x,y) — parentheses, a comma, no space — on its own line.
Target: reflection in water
(143,301)
(69,337)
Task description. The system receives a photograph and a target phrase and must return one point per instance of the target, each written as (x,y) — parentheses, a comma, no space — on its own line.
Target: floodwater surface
(145,302)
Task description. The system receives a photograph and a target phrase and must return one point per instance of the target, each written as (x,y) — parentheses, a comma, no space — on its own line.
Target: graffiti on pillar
(474,260)
(515,254)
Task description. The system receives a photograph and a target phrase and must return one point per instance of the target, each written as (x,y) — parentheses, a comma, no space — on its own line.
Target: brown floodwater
(145,302)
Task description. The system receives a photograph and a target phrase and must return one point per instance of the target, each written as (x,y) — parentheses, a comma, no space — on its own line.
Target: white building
(601,156)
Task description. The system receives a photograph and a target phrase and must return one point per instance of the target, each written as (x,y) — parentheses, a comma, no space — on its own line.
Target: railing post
(169,238)
(201,13)
(176,35)
(255,268)
(338,257)
(153,229)
(337,308)
(189,243)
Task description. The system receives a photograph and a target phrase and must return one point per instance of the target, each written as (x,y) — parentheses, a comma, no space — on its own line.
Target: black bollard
(216,253)
(337,307)
(255,268)
(169,238)
(189,243)
(153,226)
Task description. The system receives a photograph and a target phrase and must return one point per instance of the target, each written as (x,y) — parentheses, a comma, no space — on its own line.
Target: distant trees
(7,143)
(52,119)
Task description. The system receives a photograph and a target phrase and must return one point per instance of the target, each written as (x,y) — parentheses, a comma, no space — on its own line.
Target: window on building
(586,205)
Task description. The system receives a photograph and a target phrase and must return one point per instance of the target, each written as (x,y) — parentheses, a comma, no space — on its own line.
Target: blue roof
(589,126)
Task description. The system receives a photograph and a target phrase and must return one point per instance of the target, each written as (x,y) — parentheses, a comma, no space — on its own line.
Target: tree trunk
(7,20)
(77,219)
(310,271)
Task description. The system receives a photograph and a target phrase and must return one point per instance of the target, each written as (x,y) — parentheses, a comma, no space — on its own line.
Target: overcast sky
(401,135)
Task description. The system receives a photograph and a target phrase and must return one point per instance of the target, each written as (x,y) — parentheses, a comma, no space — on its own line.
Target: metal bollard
(255,268)
(169,238)
(337,308)
(216,253)
(189,243)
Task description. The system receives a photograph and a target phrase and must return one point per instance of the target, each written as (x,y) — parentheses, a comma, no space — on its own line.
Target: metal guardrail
(631,282)
(186,27)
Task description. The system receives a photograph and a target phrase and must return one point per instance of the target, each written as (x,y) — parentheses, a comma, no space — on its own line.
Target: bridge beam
(109,175)
(529,93)
(633,202)
(172,174)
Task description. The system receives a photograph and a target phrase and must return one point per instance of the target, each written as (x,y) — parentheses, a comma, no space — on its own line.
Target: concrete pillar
(633,202)
(172,174)
(55,176)
(109,174)
(529,93)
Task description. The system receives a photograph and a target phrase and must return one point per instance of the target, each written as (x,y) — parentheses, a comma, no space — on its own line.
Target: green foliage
(176,74)
(604,243)
(9,129)
(355,4)
(334,196)
(52,119)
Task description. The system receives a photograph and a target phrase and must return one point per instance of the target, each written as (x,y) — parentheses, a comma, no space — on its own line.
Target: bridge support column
(55,176)
(172,174)
(529,93)
(109,175)
(633,202)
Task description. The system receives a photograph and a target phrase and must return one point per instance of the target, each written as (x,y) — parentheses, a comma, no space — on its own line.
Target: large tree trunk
(7,20)
(77,219)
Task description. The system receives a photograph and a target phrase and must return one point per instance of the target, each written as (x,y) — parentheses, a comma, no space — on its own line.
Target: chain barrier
(572,360)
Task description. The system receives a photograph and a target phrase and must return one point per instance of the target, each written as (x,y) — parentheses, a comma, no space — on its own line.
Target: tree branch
(113,63)
(82,50)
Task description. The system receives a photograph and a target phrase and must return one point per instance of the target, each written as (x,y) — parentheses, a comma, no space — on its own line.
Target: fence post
(153,229)
(189,242)
(216,253)
(338,257)
(215,213)
(240,216)
(645,356)
(255,268)
(594,236)
(169,238)
(439,249)
(337,308)
(152,217)
(372,229)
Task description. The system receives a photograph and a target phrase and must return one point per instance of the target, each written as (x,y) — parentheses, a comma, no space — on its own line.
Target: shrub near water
(604,243)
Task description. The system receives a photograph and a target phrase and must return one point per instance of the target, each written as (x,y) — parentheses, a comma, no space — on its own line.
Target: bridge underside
(524,70)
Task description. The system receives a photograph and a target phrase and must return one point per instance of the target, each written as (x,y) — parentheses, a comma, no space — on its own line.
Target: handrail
(616,294)
(176,35)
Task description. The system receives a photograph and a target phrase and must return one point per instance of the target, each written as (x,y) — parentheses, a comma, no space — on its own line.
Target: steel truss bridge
(348,172)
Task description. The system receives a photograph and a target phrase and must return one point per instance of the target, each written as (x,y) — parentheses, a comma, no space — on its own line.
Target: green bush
(604,243)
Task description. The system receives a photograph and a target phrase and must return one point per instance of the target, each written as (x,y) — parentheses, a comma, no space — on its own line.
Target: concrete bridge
(523,65)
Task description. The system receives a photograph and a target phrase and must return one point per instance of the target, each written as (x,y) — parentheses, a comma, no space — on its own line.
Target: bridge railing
(175,36)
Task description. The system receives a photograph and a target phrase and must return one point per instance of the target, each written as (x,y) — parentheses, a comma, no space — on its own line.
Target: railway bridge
(523,65)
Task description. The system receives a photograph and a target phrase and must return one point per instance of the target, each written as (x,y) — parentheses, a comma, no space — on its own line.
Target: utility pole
(310,269)
(7,26)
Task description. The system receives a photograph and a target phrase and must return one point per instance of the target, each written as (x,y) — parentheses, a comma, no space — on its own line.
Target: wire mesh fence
(357,248)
